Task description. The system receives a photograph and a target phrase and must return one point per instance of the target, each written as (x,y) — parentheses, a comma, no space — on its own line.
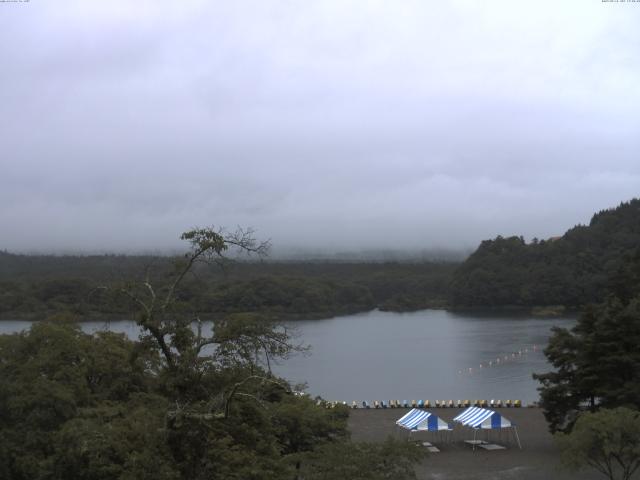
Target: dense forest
(32,286)
(572,270)
(178,403)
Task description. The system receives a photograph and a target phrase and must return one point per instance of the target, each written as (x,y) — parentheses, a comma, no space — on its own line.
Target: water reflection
(430,354)
(426,354)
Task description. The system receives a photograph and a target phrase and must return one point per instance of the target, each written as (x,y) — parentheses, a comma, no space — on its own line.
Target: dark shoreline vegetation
(34,287)
(544,277)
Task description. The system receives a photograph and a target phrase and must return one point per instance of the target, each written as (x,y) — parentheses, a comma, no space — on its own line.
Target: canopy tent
(481,418)
(422,421)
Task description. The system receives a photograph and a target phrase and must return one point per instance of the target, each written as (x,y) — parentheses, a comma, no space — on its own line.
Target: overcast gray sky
(339,124)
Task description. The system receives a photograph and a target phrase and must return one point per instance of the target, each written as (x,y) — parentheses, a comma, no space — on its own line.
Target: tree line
(573,270)
(33,286)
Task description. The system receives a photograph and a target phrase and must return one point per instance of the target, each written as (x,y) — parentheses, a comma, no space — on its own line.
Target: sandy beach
(538,458)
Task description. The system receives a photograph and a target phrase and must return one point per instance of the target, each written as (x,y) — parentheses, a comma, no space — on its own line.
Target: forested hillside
(32,286)
(572,270)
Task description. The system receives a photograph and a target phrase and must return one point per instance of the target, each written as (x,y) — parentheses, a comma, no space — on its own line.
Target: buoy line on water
(500,360)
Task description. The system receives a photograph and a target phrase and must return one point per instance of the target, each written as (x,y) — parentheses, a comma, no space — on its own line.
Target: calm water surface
(430,354)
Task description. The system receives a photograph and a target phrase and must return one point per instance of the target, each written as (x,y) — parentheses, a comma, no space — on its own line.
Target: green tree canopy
(608,441)
(182,402)
(597,363)
(572,270)
(363,461)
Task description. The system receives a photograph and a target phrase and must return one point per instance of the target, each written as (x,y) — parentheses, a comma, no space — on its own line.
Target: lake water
(430,354)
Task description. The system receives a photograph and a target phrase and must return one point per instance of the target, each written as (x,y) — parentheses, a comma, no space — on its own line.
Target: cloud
(333,123)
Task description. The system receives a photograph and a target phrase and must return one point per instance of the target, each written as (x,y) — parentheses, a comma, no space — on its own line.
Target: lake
(429,354)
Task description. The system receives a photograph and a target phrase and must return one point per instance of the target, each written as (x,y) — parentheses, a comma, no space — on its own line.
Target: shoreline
(532,311)
(538,459)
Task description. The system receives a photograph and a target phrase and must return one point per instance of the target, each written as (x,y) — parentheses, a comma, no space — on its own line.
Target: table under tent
(423,421)
(482,419)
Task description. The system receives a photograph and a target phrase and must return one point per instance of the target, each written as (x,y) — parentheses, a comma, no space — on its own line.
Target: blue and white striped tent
(482,418)
(421,420)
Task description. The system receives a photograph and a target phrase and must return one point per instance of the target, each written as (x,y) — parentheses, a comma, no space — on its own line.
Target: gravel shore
(538,458)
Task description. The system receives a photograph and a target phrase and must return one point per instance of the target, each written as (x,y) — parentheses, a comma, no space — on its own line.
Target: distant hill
(577,268)
(34,286)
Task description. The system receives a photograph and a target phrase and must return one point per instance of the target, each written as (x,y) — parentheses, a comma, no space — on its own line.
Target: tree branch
(236,386)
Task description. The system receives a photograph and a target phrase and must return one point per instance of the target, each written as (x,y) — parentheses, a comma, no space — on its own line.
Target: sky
(338,125)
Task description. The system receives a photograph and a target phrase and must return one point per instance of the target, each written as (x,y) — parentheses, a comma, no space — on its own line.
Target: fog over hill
(387,255)
(281,254)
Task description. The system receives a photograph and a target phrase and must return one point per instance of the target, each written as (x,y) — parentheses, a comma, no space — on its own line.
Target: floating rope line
(500,360)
